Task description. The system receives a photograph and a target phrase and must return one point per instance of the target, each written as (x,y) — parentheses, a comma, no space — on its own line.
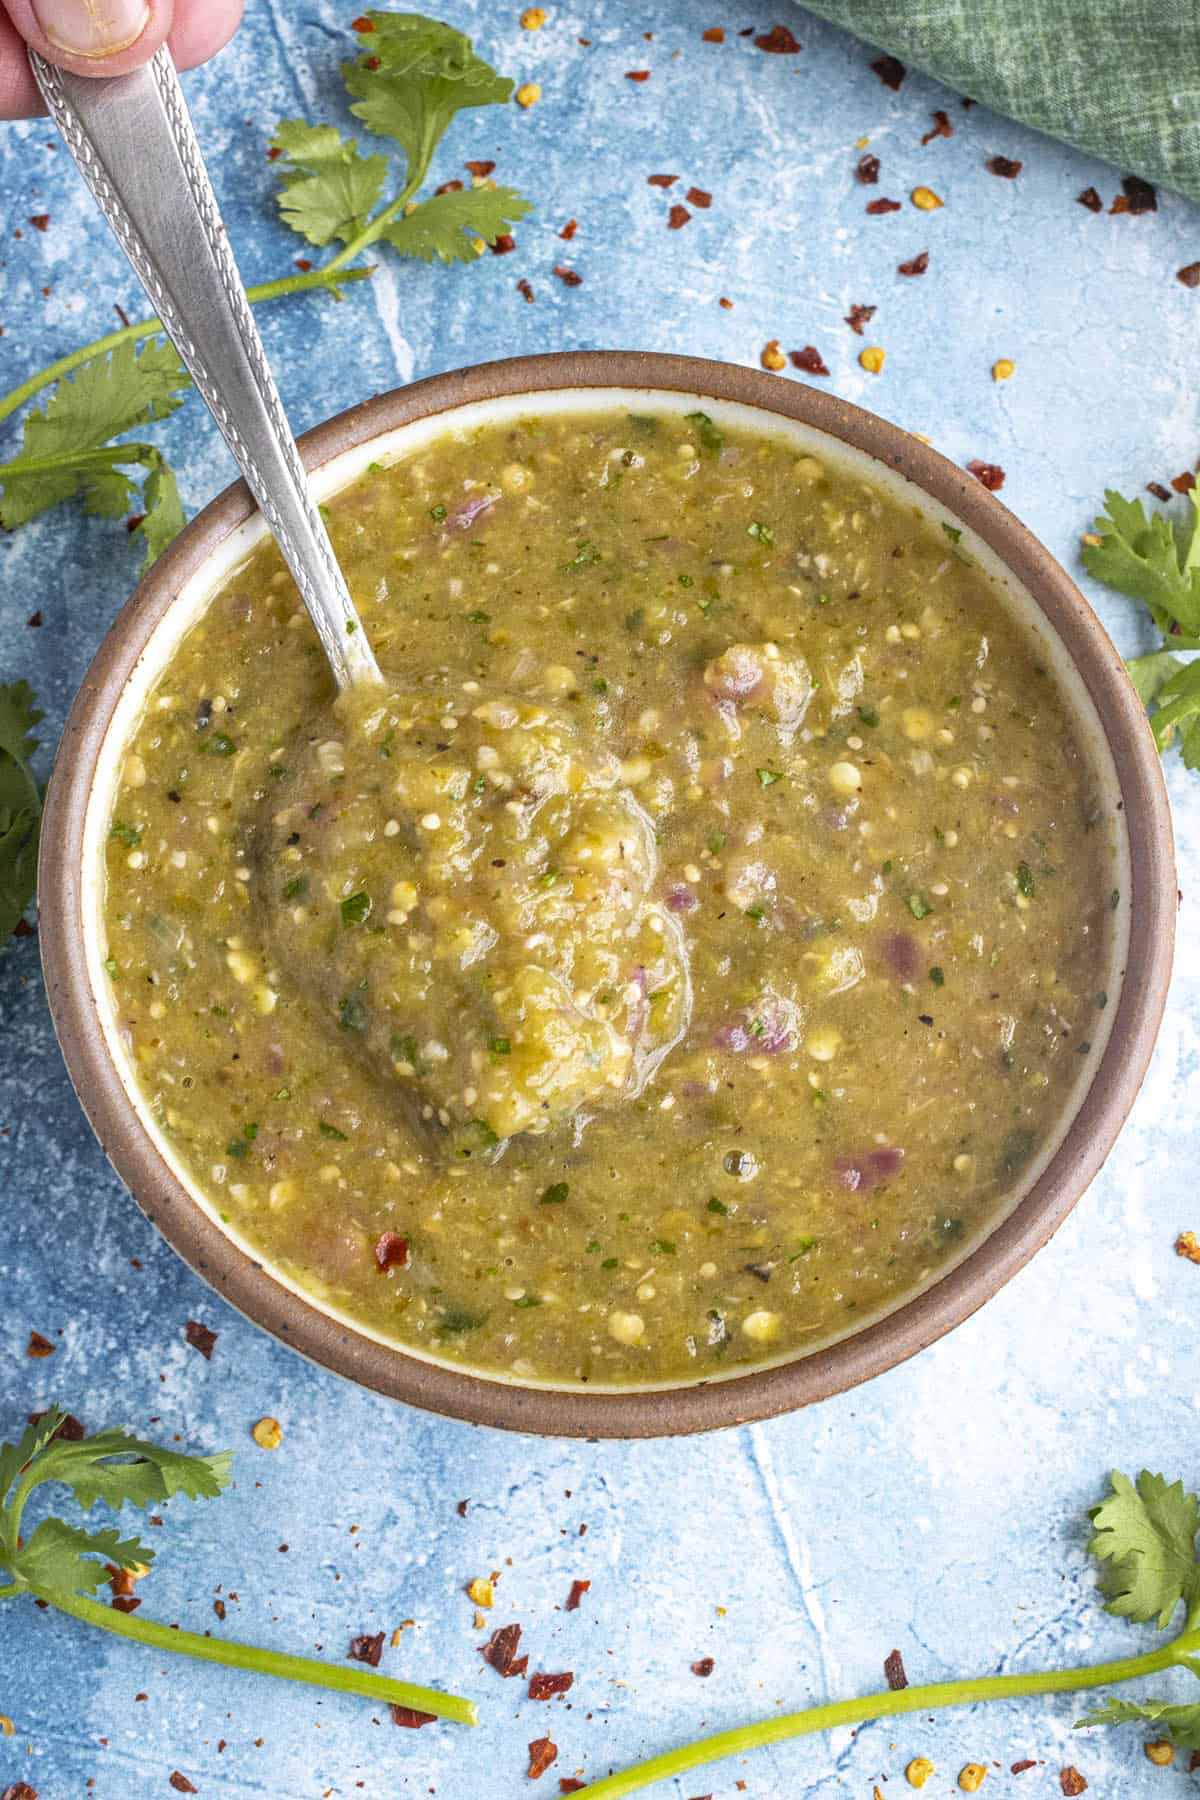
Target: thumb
(93,37)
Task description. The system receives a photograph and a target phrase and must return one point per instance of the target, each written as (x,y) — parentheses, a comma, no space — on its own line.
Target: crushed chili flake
(1091,199)
(303,264)
(125,1603)
(878,207)
(361,25)
(39,1345)
(637,74)
(545,1687)
(461,1508)
(542,1752)
(1019,1768)
(567,1784)
(366,1649)
(777,42)
(500,1651)
(1140,197)
(809,359)
(991,475)
(866,170)
(410,1718)
(1189,275)
(200,1337)
(1004,166)
(70,1430)
(941,128)
(503,244)
(133,521)
(1071,1781)
(704,1667)
(181,1784)
(890,71)
(727,305)
(916,265)
(523,287)
(663,181)
(893,1671)
(699,197)
(479,168)
(1183,484)
(40,221)
(578,1590)
(858,316)
(569,229)
(1187,1246)
(274,153)
(1158,490)
(678,217)
(220,1609)
(450,187)
(1194,1764)
(20,1790)
(714,35)
(372,63)
(568,277)
(391,1251)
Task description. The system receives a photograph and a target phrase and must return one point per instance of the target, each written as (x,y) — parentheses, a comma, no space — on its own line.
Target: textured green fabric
(1120,78)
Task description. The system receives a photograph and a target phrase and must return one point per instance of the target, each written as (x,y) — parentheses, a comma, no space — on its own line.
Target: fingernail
(94,28)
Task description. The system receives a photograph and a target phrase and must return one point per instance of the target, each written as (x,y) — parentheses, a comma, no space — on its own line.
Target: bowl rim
(249,1286)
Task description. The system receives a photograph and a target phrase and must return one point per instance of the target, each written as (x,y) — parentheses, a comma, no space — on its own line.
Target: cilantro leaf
(1151,560)
(329,188)
(35,1437)
(439,226)
(61,1558)
(1149,674)
(20,805)
(163,518)
(1182,1722)
(1145,1538)
(18,716)
(1179,711)
(118,1468)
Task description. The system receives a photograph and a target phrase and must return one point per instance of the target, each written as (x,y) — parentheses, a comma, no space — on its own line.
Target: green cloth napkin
(1120,78)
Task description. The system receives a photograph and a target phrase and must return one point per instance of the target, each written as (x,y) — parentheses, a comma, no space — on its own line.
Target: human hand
(103,37)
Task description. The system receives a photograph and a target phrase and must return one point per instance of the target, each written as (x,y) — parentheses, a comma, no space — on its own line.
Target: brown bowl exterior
(247,1285)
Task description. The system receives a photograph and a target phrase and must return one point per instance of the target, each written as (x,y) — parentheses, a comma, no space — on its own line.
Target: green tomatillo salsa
(675,965)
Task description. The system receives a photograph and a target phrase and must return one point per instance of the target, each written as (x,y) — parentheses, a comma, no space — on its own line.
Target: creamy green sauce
(675,966)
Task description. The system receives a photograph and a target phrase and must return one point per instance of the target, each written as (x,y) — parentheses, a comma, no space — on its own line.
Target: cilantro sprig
(20,803)
(1144,1542)
(1157,560)
(412,79)
(64,1564)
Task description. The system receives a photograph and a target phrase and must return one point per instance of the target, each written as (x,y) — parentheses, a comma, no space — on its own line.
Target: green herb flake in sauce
(355,909)
(919,906)
(129,835)
(768,777)
(762,534)
(555,1194)
(937,976)
(1025,881)
(711,438)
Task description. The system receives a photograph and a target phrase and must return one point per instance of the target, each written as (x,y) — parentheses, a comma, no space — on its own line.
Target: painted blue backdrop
(938,1511)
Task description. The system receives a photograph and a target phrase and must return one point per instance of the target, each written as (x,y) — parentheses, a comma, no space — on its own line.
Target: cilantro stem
(331,274)
(880,1706)
(351,1679)
(374,228)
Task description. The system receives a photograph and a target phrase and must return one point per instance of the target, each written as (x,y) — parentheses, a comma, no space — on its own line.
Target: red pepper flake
(941,128)
(181,1784)
(567,1784)
(40,221)
(125,1603)
(1004,166)
(1091,199)
(479,168)
(568,277)
(569,229)
(1192,1766)
(727,305)
(1019,1768)
(200,1337)
(366,1649)
(916,266)
(809,359)
(410,1718)
(893,1671)
(778,42)
(274,153)
(20,1790)
(1071,1781)
(866,170)
(523,287)
(542,1752)
(362,26)
(303,264)
(714,35)
(220,1609)
(501,1651)
(70,1430)
(372,63)
(39,1345)
(461,1508)
(578,1590)
(1158,490)
(1183,484)
(545,1687)
(890,71)
(858,316)
(699,197)
(704,1667)
(23,928)
(678,217)
(1139,196)
(663,181)
(877,208)
(133,521)
(637,74)
(450,187)
(990,474)
(391,1251)
(505,243)
(1189,275)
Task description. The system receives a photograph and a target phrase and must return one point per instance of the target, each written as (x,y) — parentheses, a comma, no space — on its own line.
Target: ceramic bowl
(176,590)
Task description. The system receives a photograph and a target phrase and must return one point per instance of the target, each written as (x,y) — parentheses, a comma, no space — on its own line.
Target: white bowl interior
(394,446)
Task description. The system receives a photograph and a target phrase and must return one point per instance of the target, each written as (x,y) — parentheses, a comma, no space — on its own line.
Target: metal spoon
(133,142)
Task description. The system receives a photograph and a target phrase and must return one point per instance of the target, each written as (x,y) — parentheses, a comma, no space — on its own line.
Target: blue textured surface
(938,1510)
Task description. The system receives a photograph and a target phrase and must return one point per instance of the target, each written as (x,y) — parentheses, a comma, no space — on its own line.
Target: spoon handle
(133,141)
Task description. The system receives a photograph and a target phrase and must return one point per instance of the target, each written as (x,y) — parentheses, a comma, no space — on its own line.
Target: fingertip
(76,35)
